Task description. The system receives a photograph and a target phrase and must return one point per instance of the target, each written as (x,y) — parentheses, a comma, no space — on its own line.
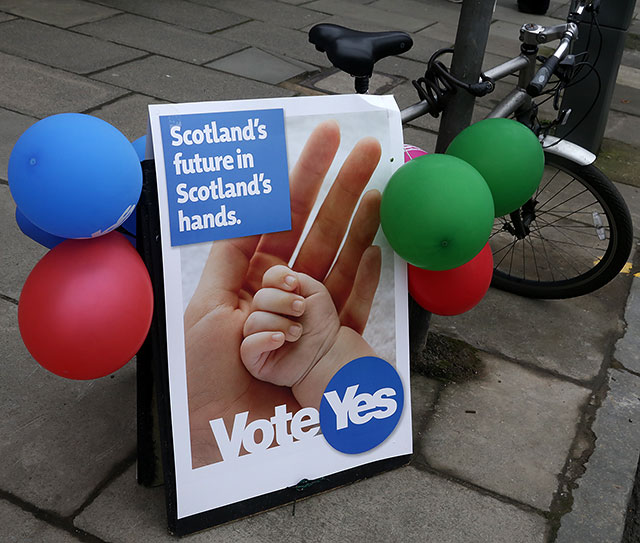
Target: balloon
(130,224)
(436,212)
(74,176)
(36,234)
(140,146)
(509,157)
(451,292)
(411,152)
(86,307)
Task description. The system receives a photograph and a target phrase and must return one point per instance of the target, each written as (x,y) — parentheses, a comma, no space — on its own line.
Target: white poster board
(266,392)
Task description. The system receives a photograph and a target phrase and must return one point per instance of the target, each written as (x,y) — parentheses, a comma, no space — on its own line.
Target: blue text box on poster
(227,174)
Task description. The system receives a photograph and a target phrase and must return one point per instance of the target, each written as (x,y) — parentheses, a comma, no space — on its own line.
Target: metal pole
(471,41)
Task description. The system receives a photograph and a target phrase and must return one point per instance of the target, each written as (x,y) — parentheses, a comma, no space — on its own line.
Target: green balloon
(509,157)
(437,212)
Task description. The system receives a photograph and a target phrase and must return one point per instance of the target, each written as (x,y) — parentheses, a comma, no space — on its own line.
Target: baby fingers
(274,300)
(255,349)
(262,321)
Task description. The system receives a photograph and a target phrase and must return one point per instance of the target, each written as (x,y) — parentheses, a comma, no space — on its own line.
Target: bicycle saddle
(356,52)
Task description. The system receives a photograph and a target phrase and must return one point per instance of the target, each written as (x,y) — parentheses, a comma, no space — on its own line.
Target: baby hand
(293,324)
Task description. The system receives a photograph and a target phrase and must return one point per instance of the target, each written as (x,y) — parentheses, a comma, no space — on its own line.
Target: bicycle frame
(519,101)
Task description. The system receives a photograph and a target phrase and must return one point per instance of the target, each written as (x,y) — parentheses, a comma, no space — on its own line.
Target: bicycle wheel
(571,238)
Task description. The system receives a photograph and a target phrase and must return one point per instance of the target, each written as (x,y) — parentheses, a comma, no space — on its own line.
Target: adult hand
(218,384)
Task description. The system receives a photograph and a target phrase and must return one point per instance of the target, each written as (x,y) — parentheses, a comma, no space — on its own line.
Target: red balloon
(454,291)
(86,307)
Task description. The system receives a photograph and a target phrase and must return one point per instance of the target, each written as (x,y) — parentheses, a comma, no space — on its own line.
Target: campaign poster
(286,309)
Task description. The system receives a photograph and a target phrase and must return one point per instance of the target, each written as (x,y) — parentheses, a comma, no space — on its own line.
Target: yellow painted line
(625,269)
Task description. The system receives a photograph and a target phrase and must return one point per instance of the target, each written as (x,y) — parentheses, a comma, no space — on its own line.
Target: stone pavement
(533,438)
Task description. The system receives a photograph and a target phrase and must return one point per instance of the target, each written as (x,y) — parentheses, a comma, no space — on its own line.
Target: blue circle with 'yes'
(361,405)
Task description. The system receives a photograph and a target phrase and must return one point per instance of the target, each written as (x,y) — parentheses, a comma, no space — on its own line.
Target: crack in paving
(8,299)
(420,463)
(51,518)
(585,440)
(582,447)
(66,523)
(115,472)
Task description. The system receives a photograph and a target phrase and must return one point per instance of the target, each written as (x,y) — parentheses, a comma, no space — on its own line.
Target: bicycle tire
(580,235)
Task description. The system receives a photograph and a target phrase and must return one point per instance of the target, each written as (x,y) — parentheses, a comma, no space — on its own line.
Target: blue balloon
(36,234)
(130,224)
(140,145)
(75,176)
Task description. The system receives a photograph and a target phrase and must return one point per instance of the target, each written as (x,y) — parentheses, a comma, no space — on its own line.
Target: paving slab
(570,337)
(269,12)
(424,45)
(160,38)
(424,394)
(12,125)
(181,82)
(558,10)
(420,138)
(355,23)
(73,52)
(61,438)
(62,13)
(5,17)
(128,114)
(504,39)
(622,127)
(259,65)
(477,432)
(629,76)
(19,253)
(33,89)
(401,66)
(600,501)
(631,195)
(408,23)
(187,14)
(433,11)
(285,41)
(19,526)
(298,2)
(512,15)
(627,350)
(631,57)
(337,82)
(626,99)
(402,505)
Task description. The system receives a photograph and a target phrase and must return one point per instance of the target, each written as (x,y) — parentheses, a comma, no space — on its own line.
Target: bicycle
(575,233)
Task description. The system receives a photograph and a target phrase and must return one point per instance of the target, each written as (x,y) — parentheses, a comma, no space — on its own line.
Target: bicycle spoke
(570,214)
(535,261)
(556,194)
(541,189)
(565,201)
(509,248)
(565,227)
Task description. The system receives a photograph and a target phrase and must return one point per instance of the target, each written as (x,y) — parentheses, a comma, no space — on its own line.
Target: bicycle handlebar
(540,80)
